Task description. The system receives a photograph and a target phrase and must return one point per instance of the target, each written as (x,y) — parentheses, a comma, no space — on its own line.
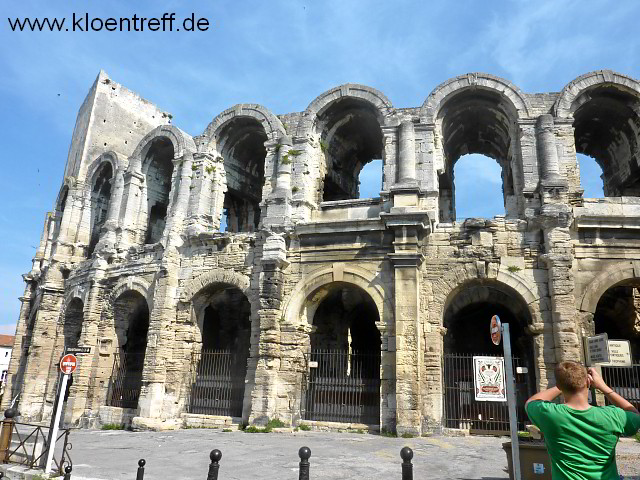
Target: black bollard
(304,453)
(67,472)
(215,457)
(407,467)
(141,463)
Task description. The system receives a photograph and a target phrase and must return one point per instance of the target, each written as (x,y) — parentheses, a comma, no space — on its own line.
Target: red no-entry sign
(68,364)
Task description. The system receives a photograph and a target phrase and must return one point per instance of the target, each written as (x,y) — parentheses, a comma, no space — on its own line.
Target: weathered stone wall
(296,233)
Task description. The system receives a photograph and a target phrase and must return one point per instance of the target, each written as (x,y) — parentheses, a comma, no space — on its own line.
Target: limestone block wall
(286,187)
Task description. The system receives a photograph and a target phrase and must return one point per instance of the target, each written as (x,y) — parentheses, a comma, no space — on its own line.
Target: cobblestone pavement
(184,454)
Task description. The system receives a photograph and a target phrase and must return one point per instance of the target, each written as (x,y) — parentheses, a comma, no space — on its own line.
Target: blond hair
(571,377)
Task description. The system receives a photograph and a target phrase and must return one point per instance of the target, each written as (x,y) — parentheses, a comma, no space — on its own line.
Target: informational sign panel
(597,349)
(78,350)
(488,379)
(619,354)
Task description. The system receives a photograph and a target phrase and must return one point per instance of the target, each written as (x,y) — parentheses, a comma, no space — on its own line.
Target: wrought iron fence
(28,445)
(342,387)
(126,380)
(625,381)
(218,381)
(462,411)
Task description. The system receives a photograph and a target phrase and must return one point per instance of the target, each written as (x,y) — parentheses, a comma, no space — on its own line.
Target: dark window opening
(351,138)
(618,315)
(607,125)
(241,143)
(476,122)
(100,195)
(159,159)
(73,323)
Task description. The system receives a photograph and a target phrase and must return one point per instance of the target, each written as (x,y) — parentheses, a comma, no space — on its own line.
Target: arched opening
(158,167)
(607,125)
(73,318)
(482,122)
(241,144)
(131,318)
(223,313)
(618,315)
(344,362)
(591,177)
(350,138)
(478,187)
(467,317)
(100,195)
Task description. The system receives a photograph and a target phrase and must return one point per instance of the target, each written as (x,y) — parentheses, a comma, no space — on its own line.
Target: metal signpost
(497,330)
(68,365)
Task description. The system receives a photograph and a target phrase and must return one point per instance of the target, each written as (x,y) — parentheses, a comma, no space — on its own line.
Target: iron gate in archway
(342,386)
(462,411)
(218,381)
(625,381)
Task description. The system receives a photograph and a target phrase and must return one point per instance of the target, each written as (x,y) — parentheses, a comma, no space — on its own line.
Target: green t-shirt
(582,443)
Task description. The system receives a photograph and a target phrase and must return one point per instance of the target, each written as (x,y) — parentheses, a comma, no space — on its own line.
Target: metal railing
(462,411)
(625,381)
(217,384)
(342,387)
(126,380)
(28,444)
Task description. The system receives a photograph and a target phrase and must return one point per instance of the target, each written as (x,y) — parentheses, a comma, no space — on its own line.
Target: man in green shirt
(581,439)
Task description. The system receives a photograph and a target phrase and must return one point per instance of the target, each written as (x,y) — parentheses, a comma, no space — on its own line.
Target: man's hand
(596,380)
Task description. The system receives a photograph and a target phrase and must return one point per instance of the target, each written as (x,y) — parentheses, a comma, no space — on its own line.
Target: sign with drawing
(488,379)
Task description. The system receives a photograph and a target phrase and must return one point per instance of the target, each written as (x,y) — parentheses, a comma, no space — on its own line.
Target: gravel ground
(184,454)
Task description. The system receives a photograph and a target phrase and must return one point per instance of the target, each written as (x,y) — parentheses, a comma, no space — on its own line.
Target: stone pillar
(206,197)
(130,213)
(21,343)
(408,346)
(264,396)
(547,150)
(32,404)
(278,202)
(108,232)
(80,390)
(406,153)
(178,212)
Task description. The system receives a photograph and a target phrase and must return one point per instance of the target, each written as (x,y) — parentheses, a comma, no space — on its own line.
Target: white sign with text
(488,379)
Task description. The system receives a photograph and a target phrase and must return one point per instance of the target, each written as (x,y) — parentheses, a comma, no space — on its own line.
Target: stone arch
(440,94)
(135,284)
(182,143)
(564,104)
(366,280)
(110,157)
(207,142)
(452,283)
(349,90)
(196,284)
(79,292)
(612,276)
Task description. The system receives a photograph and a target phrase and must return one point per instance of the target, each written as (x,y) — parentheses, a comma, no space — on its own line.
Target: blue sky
(281,54)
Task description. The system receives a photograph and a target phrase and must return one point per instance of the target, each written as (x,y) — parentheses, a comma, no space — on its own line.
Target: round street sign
(496,330)
(68,364)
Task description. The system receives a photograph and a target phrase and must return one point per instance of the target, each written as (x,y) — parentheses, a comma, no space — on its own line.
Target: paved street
(184,454)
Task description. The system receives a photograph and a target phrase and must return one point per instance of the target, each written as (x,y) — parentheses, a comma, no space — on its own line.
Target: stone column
(408,347)
(32,403)
(278,202)
(178,212)
(547,150)
(108,232)
(283,179)
(21,342)
(264,395)
(406,153)
(82,379)
(131,231)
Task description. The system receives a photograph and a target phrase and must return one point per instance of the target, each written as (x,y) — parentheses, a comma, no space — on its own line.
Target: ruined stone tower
(314,305)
